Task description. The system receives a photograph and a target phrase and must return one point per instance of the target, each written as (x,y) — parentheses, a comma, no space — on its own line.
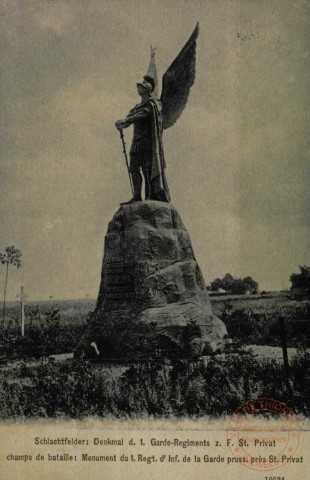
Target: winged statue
(153,115)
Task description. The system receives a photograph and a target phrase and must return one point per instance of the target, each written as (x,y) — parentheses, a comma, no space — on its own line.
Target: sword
(126,159)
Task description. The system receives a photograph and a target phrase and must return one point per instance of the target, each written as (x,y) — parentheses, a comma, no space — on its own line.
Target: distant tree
(301,281)
(216,285)
(11,256)
(228,282)
(250,285)
(236,286)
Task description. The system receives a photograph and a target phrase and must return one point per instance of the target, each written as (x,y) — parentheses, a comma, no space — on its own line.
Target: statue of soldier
(146,151)
(151,116)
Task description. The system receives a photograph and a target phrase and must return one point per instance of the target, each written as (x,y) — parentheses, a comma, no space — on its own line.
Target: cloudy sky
(237,159)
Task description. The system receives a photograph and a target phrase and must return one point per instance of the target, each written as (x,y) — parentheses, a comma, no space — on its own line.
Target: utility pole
(22,308)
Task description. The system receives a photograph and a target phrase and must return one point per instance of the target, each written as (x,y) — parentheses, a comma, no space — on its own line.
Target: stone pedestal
(152,299)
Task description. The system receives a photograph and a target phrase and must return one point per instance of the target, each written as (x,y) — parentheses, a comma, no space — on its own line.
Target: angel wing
(178,80)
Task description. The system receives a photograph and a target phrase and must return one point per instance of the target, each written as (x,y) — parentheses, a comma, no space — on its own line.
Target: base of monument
(153,301)
(116,337)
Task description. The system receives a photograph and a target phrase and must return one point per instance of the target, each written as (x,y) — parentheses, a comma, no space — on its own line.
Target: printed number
(274,478)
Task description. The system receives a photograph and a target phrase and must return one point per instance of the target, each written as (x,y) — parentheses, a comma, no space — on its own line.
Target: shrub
(78,389)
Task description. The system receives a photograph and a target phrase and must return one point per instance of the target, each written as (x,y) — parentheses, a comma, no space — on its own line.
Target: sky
(237,159)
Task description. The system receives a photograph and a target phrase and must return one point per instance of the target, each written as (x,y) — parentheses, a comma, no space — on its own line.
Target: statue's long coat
(147,120)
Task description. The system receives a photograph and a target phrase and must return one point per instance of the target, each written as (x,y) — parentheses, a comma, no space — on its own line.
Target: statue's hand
(120,124)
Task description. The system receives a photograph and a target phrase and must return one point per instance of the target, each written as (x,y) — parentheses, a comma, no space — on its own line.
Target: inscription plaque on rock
(120,279)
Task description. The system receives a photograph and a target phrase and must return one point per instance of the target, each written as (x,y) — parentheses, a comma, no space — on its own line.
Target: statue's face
(141,89)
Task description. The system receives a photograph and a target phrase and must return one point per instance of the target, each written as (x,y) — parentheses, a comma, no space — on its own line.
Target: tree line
(236,286)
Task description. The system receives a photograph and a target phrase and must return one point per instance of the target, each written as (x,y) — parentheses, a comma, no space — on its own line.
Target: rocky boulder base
(152,299)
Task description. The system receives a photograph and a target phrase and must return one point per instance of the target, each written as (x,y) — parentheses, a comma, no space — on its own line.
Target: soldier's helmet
(148,83)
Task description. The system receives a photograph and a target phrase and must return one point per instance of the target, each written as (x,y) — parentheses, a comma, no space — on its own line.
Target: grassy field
(33,384)
(79,389)
(255,319)
(250,320)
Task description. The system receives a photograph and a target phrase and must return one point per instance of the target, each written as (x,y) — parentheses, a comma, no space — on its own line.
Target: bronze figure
(152,115)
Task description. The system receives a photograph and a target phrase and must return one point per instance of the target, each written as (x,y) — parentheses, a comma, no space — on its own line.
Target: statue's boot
(147,184)
(154,190)
(159,197)
(137,185)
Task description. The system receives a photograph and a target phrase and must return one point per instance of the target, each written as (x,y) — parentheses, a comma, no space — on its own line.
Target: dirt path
(261,352)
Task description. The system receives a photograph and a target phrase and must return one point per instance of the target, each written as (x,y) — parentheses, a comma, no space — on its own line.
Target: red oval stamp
(263,434)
